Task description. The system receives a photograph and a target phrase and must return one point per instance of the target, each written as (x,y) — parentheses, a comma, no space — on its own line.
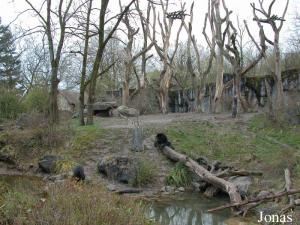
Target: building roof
(71,96)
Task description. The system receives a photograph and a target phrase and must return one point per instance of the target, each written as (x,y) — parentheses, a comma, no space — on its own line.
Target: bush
(36,100)
(179,176)
(10,105)
(146,173)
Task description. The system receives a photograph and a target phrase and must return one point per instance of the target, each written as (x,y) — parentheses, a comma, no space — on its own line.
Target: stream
(190,209)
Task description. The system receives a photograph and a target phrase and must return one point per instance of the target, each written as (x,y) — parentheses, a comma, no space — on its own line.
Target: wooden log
(288,187)
(256,200)
(128,191)
(204,174)
(226,173)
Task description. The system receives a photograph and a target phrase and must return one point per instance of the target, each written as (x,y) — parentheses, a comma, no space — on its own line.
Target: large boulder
(48,163)
(56,164)
(127,112)
(119,168)
(242,183)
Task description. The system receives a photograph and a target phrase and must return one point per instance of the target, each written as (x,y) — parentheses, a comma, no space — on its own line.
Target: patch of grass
(85,136)
(146,173)
(257,144)
(284,133)
(180,176)
(16,207)
(73,203)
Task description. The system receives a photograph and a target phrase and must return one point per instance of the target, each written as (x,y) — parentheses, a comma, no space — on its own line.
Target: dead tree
(198,76)
(268,17)
(165,23)
(63,15)
(130,58)
(217,42)
(144,21)
(234,55)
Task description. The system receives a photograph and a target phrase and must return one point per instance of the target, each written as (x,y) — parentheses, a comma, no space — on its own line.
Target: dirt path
(162,120)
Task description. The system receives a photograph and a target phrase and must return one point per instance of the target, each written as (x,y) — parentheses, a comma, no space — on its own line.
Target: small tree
(9,59)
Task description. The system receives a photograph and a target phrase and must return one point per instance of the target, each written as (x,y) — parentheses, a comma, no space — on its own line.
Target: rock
(119,168)
(211,191)
(127,112)
(48,163)
(56,164)
(8,155)
(196,186)
(199,186)
(242,183)
(181,189)
(111,187)
(168,189)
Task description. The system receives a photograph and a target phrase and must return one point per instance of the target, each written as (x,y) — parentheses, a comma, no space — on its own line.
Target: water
(191,209)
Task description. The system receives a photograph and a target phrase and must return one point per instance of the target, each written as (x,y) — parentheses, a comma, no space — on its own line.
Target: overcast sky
(9,9)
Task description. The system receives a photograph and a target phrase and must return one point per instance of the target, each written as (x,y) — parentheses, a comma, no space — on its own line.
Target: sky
(9,9)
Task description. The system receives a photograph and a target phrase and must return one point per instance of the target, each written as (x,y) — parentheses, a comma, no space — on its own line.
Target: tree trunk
(278,80)
(81,108)
(125,89)
(204,174)
(236,93)
(164,89)
(53,110)
(219,83)
(91,97)
(270,100)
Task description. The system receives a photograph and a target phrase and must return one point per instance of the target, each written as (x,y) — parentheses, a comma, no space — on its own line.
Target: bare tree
(216,43)
(234,55)
(130,57)
(35,65)
(165,24)
(83,84)
(198,75)
(144,21)
(63,15)
(267,17)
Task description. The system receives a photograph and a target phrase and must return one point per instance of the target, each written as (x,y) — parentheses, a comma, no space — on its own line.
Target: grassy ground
(69,203)
(257,144)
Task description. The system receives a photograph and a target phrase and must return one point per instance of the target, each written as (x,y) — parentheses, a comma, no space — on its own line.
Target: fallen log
(204,174)
(129,191)
(227,173)
(256,200)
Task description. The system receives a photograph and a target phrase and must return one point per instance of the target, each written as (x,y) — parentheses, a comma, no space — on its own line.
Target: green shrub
(179,176)
(10,105)
(146,173)
(36,100)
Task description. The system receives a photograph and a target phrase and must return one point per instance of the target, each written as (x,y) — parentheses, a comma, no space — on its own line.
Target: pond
(190,209)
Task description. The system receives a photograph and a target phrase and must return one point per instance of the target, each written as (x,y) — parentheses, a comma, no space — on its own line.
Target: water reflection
(188,210)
